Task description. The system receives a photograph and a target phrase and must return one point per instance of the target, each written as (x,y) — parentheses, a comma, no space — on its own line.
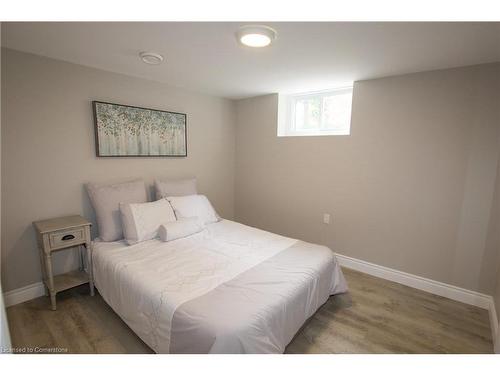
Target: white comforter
(176,296)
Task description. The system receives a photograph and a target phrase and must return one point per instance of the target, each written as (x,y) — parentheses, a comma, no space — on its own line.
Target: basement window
(315,113)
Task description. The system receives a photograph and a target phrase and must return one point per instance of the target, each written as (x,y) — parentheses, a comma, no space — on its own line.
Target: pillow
(175,188)
(194,206)
(180,228)
(106,200)
(142,220)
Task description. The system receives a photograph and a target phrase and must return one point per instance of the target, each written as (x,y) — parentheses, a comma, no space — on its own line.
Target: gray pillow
(175,188)
(106,201)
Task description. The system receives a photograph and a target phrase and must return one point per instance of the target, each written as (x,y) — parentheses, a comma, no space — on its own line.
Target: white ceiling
(205,57)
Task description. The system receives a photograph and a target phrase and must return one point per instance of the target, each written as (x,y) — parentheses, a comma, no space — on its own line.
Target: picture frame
(130,131)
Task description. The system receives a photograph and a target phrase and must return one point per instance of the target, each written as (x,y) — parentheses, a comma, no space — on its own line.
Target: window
(316,113)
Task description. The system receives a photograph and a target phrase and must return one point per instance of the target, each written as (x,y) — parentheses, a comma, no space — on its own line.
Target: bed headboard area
(106,198)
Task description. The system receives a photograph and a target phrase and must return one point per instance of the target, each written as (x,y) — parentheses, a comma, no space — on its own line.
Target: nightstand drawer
(67,238)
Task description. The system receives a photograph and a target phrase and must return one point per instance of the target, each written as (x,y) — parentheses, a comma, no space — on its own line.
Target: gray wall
(4,328)
(48,149)
(411,188)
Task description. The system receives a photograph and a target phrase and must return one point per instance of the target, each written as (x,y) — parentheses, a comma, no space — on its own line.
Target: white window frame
(287,108)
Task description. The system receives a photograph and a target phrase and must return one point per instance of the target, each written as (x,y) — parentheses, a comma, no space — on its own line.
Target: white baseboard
(435,287)
(26,293)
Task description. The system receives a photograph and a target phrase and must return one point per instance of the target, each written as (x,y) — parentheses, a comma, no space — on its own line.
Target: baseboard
(435,287)
(13,297)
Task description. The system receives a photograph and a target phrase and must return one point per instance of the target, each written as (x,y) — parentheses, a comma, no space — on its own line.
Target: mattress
(228,289)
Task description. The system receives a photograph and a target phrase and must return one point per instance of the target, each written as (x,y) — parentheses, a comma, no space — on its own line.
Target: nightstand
(60,234)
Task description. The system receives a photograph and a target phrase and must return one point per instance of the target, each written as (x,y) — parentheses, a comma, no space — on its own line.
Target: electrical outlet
(326,218)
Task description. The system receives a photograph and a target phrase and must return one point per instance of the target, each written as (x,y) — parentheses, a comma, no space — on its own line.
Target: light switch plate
(326,218)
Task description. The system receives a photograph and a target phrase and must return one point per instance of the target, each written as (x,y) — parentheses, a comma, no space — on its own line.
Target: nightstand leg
(53,301)
(80,254)
(50,279)
(44,273)
(88,247)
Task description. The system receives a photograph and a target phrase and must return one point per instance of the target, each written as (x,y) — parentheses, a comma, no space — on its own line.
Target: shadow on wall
(88,212)
(26,244)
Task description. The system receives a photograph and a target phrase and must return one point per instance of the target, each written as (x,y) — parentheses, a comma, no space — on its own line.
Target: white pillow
(141,221)
(194,206)
(106,200)
(180,228)
(175,188)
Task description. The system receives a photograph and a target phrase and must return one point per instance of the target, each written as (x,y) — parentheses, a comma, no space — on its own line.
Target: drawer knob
(68,237)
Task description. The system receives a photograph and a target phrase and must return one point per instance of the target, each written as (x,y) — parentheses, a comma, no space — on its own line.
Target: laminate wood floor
(376,316)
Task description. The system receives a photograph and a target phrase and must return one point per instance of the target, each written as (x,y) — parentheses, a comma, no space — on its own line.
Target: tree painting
(131,131)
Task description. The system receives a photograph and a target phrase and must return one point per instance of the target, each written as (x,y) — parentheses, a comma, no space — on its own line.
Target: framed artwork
(123,130)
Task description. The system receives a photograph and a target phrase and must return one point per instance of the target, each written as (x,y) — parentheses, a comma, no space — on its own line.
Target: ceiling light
(256,35)
(151,58)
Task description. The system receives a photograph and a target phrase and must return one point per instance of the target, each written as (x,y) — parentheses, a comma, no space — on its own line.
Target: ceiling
(205,57)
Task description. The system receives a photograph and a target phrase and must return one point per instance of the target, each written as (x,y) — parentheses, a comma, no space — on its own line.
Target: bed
(228,289)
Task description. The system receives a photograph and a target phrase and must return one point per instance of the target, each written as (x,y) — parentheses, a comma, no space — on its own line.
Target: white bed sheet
(146,283)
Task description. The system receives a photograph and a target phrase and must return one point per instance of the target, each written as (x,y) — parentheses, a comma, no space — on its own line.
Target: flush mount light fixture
(256,35)
(151,58)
